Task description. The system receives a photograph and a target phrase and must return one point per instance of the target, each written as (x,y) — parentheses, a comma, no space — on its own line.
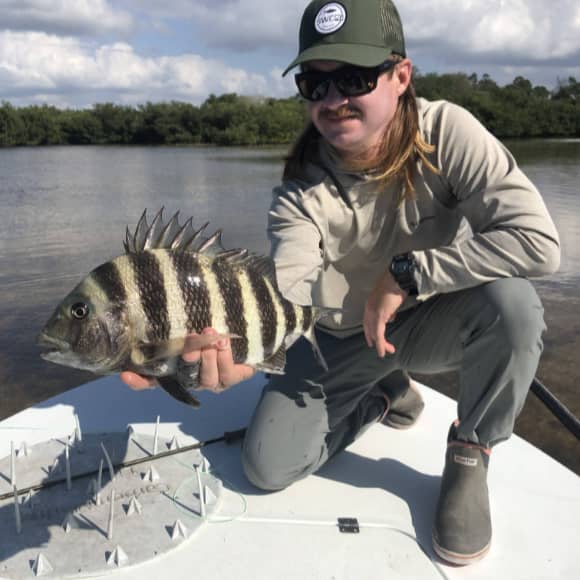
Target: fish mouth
(51,344)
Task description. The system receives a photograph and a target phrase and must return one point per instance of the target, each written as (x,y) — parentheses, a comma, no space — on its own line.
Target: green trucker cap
(359,32)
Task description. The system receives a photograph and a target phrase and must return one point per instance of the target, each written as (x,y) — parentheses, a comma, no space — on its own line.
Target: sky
(74,53)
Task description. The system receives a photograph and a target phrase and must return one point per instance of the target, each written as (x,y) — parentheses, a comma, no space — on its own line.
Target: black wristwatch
(403,269)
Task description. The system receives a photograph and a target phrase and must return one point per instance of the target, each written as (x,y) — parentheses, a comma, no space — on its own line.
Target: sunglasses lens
(354,82)
(351,81)
(313,85)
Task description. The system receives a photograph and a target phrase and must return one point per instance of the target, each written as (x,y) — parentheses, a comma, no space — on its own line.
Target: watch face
(402,269)
(402,266)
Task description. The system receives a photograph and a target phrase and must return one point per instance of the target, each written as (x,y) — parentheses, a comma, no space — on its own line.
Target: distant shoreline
(515,111)
(265,147)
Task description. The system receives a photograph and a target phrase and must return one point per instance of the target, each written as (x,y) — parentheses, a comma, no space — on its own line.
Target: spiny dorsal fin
(168,232)
(263,265)
(189,243)
(181,233)
(232,256)
(171,235)
(214,241)
(152,233)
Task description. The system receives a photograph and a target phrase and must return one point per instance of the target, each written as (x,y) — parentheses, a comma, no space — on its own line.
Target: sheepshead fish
(135,311)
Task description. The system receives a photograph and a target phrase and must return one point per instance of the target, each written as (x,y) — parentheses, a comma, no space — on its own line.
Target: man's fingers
(225,363)
(229,372)
(217,370)
(137,382)
(375,329)
(368,337)
(388,347)
(379,330)
(208,373)
(191,354)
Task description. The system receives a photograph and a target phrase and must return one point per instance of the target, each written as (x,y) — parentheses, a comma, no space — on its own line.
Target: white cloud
(496,31)
(244,25)
(68,17)
(34,65)
(42,56)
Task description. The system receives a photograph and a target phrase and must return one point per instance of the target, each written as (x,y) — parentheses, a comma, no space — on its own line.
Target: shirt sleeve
(513,234)
(296,244)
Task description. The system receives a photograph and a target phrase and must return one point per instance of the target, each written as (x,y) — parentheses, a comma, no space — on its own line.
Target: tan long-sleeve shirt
(478,220)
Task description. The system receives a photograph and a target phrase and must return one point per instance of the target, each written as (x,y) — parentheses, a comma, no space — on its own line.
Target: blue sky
(73,53)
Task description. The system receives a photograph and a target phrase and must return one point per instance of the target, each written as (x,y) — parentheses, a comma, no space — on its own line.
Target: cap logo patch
(330,18)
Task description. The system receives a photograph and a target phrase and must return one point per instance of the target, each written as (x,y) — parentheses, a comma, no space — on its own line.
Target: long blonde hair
(396,158)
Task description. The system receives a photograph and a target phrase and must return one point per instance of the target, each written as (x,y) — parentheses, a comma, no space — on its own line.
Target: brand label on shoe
(468,461)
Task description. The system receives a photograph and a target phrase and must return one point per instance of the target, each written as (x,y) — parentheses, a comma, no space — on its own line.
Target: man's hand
(217,371)
(380,308)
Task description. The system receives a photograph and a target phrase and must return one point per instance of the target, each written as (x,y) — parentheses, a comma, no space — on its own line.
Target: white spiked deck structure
(386,482)
(85,531)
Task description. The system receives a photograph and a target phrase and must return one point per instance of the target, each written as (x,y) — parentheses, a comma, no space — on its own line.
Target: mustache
(341,113)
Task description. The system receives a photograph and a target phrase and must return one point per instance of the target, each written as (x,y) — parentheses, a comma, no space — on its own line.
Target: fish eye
(79,310)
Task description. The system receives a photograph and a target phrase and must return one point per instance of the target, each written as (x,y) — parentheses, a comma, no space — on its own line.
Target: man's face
(355,125)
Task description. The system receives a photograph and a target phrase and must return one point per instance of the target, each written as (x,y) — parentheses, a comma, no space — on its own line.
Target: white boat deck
(388,480)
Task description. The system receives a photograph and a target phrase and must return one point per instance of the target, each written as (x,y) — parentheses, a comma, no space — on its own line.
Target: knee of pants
(516,311)
(270,475)
(260,475)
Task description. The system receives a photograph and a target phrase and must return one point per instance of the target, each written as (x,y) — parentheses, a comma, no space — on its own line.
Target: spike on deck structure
(117,557)
(134,507)
(100,522)
(151,475)
(41,566)
(178,530)
(68,523)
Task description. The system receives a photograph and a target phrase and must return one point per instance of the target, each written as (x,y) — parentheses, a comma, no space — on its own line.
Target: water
(65,209)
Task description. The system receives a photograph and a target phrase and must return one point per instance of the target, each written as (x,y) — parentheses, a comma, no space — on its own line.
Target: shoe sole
(388,421)
(401,426)
(459,559)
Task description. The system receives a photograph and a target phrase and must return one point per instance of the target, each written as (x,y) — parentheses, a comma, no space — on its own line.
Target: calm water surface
(65,209)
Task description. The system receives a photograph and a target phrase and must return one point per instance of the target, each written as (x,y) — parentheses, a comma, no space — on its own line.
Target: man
(410,218)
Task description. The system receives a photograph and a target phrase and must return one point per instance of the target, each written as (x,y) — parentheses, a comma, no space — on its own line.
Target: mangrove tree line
(516,110)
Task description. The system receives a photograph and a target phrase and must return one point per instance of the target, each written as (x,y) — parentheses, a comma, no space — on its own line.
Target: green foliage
(225,120)
(41,125)
(234,120)
(117,123)
(81,128)
(518,109)
(167,123)
(11,125)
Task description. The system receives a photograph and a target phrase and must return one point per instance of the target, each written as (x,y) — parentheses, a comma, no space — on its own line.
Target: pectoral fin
(177,391)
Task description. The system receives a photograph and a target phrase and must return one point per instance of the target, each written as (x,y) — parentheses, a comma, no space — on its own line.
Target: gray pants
(491,334)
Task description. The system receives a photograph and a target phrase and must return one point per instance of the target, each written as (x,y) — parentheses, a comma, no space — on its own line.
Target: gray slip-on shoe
(404,405)
(462,530)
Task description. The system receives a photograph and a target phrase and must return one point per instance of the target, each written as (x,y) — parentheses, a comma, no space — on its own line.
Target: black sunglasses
(350,81)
